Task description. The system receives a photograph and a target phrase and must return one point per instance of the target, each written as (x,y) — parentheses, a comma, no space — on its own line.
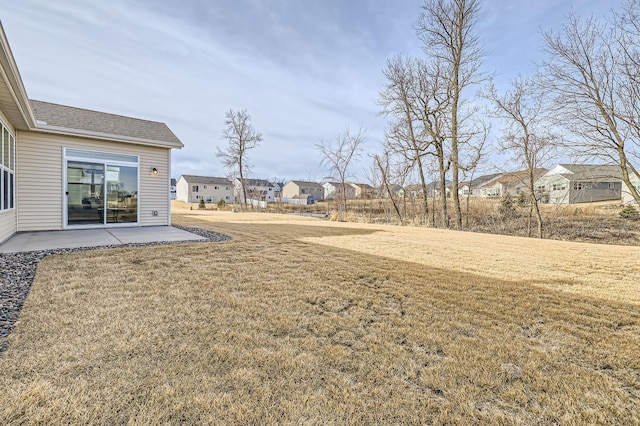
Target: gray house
(580,183)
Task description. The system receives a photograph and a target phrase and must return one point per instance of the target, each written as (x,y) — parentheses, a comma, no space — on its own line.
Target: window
(303,191)
(215,187)
(227,188)
(578,186)
(195,188)
(7,168)
(204,186)
(611,185)
(197,197)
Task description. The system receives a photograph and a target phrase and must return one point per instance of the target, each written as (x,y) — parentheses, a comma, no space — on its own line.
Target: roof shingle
(79,119)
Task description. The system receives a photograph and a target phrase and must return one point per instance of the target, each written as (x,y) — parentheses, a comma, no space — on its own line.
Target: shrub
(221,204)
(629,212)
(507,208)
(201,204)
(522,200)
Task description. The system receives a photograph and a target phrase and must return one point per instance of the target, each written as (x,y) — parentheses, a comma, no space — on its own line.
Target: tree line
(583,99)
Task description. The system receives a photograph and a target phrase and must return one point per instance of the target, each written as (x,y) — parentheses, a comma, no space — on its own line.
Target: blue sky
(304,69)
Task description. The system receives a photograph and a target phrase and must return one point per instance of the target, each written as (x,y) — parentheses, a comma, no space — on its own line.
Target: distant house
(512,183)
(364,190)
(580,183)
(299,189)
(393,188)
(627,198)
(333,190)
(277,190)
(434,189)
(256,189)
(471,187)
(414,190)
(192,189)
(172,189)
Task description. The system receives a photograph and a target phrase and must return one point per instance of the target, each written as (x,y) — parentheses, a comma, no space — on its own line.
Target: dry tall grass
(274,328)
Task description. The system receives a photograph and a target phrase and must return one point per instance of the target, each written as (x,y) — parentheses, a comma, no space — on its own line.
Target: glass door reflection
(85,193)
(122,194)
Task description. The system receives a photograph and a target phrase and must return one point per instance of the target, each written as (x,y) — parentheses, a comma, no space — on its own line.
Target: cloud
(303,69)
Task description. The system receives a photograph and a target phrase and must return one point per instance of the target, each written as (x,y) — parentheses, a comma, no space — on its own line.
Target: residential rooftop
(62,118)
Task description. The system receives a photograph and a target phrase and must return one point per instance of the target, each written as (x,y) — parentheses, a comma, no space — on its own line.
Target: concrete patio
(49,240)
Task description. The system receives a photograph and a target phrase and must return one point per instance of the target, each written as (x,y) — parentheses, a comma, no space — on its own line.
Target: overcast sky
(303,69)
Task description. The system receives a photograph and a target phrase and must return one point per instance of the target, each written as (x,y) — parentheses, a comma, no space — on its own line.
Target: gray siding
(595,191)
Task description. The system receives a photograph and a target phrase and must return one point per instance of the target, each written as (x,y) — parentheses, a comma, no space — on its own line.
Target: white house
(627,198)
(70,168)
(472,187)
(334,189)
(512,183)
(192,189)
(256,189)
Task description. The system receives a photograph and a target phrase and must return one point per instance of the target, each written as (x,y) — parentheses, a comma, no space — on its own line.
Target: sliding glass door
(122,194)
(85,193)
(101,192)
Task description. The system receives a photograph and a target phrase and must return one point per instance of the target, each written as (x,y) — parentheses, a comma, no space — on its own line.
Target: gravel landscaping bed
(17,271)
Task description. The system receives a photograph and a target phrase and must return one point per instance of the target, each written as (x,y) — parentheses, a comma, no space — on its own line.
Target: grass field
(300,321)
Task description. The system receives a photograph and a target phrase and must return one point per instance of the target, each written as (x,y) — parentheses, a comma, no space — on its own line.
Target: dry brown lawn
(300,321)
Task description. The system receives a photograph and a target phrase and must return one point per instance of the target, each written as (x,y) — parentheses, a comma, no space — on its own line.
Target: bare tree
(383,164)
(593,70)
(416,98)
(242,137)
(474,156)
(400,101)
(446,29)
(526,134)
(337,156)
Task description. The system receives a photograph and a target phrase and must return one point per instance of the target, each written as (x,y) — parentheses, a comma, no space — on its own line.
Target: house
(256,189)
(277,190)
(300,189)
(627,198)
(434,188)
(414,190)
(469,188)
(333,190)
(512,183)
(393,188)
(70,168)
(364,190)
(172,189)
(192,189)
(580,183)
